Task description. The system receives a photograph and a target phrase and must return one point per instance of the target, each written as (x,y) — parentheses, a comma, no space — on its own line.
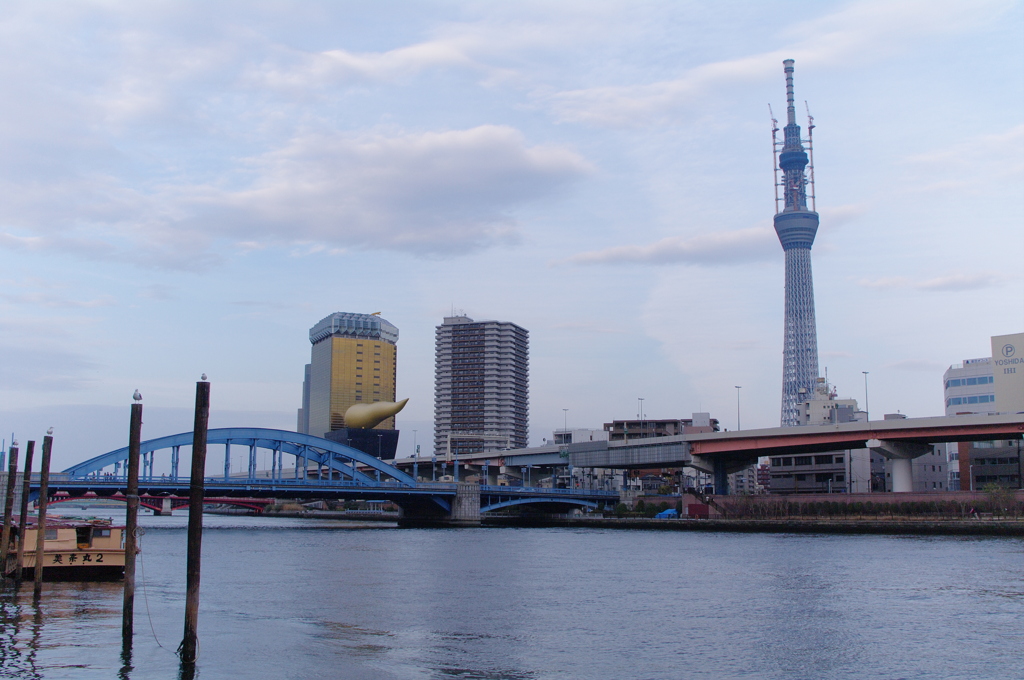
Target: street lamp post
(640,415)
(867,412)
(565,425)
(738,407)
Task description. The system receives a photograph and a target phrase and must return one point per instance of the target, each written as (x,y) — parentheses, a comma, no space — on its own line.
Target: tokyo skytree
(796,226)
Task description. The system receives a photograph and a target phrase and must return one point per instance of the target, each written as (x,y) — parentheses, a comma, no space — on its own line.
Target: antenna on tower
(775,155)
(810,152)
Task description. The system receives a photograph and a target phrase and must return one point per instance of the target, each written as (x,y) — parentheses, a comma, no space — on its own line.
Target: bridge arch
(547,501)
(334,456)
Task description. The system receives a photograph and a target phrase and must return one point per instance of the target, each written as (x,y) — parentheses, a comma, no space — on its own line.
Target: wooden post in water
(44,490)
(26,485)
(188,648)
(5,538)
(131,524)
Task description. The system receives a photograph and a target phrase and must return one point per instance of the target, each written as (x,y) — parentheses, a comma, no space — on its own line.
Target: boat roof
(59,522)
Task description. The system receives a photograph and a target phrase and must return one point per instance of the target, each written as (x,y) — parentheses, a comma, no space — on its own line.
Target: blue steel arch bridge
(321,469)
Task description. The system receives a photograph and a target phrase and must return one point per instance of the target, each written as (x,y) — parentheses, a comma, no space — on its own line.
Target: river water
(287,598)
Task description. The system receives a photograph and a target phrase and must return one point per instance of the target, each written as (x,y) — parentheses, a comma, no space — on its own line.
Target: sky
(187,187)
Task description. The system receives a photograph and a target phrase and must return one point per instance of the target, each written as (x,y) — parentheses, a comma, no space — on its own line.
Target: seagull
(50,430)
(202,377)
(137,396)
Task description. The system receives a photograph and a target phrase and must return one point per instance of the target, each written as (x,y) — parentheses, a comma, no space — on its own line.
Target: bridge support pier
(466,506)
(165,508)
(901,454)
(721,478)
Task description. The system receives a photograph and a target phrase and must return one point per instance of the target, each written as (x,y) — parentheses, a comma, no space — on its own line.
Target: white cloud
(952,282)
(860,31)
(307,70)
(433,192)
(428,193)
(756,244)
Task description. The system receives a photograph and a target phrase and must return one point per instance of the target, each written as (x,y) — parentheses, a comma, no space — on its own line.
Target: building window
(802,460)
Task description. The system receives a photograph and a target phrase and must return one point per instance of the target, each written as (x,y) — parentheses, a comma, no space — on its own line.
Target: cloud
(850,34)
(757,244)
(973,164)
(952,282)
(429,193)
(433,192)
(307,70)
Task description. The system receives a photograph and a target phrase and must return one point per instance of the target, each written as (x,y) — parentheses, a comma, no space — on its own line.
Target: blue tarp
(667,514)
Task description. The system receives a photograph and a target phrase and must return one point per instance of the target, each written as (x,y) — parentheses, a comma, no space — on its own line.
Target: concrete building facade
(481,386)
(1008,372)
(848,470)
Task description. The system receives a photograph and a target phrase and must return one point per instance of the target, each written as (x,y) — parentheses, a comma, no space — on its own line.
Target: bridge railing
(260,483)
(595,493)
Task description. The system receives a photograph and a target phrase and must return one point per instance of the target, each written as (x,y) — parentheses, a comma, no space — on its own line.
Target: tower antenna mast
(810,153)
(775,154)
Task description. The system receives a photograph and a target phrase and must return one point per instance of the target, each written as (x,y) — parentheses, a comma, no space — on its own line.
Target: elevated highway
(720,453)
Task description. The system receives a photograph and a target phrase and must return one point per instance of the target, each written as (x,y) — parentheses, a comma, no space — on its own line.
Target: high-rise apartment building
(353,361)
(796,226)
(481,386)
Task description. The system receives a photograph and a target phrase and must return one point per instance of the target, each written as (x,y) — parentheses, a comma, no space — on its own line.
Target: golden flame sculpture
(368,416)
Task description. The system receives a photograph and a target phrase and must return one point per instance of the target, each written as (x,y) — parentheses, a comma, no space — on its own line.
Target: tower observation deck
(796,226)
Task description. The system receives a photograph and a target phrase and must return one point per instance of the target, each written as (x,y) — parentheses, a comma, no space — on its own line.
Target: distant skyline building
(796,227)
(987,385)
(967,387)
(481,386)
(353,361)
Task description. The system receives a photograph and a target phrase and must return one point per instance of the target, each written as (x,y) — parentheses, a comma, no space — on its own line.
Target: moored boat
(73,550)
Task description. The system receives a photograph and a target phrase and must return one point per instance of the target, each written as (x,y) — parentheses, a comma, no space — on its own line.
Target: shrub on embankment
(996,502)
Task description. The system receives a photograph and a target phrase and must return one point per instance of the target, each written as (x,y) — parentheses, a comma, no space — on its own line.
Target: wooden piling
(26,489)
(188,649)
(44,490)
(5,538)
(131,524)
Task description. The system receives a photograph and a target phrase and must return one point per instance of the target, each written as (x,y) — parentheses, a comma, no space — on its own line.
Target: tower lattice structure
(796,226)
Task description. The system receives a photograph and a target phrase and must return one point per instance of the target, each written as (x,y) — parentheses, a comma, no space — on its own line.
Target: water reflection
(536,604)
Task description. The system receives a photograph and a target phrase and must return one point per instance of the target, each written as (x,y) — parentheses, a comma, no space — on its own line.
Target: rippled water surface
(320,599)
